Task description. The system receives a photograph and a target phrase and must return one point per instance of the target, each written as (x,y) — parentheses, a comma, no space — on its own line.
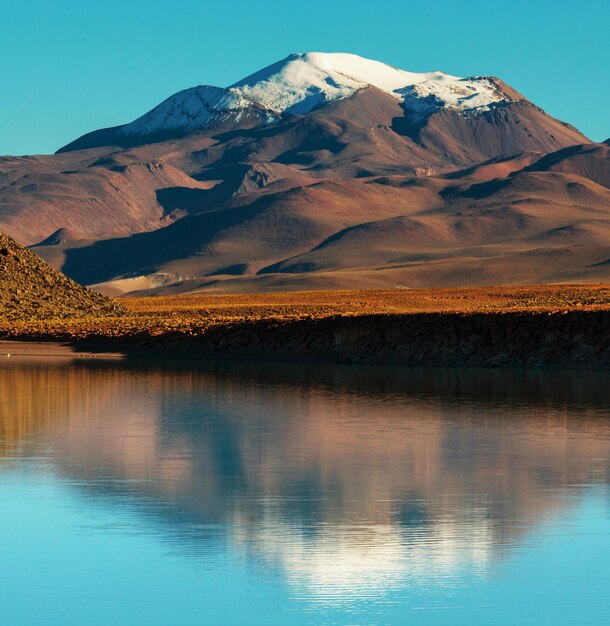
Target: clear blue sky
(68,67)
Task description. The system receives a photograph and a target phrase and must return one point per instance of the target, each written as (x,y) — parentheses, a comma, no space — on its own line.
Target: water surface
(241,494)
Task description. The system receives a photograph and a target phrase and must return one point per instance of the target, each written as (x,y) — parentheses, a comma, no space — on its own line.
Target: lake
(177,494)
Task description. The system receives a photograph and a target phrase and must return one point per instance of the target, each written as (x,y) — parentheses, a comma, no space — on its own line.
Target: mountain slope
(590,161)
(463,228)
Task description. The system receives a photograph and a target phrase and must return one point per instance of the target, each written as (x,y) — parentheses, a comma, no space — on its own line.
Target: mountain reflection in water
(348,482)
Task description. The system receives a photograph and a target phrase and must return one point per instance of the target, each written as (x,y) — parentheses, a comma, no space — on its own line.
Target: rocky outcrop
(31,290)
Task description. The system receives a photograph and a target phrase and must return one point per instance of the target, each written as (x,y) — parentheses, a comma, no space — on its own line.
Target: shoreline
(18,348)
(569,338)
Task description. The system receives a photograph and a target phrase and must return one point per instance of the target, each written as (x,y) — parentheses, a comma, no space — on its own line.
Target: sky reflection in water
(230,494)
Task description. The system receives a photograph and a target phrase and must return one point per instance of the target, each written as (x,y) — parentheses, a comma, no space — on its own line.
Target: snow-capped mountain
(303,82)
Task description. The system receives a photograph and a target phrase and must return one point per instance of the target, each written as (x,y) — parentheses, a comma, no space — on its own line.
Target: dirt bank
(560,338)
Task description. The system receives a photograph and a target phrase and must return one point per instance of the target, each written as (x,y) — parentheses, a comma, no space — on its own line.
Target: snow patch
(476,94)
(193,109)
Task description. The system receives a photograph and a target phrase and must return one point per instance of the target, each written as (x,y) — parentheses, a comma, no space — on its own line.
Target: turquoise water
(178,495)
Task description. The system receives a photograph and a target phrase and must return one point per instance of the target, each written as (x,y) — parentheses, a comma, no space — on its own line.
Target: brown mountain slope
(532,227)
(467,228)
(30,289)
(590,161)
(88,194)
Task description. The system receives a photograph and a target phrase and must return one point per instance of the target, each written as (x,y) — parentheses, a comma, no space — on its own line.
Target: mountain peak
(305,81)
(331,75)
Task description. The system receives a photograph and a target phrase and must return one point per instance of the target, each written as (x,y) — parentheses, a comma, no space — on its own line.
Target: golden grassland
(192,314)
(367,301)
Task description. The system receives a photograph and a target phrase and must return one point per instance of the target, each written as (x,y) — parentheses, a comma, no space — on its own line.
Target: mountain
(303,83)
(31,290)
(320,170)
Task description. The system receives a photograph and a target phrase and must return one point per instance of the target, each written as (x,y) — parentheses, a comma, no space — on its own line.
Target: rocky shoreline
(517,338)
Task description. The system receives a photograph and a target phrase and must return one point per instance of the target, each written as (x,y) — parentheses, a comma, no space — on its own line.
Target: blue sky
(68,67)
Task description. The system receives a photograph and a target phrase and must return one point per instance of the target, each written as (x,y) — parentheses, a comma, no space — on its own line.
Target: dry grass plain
(195,313)
(158,314)
(368,301)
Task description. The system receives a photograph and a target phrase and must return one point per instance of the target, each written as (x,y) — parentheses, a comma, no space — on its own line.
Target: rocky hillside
(30,289)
